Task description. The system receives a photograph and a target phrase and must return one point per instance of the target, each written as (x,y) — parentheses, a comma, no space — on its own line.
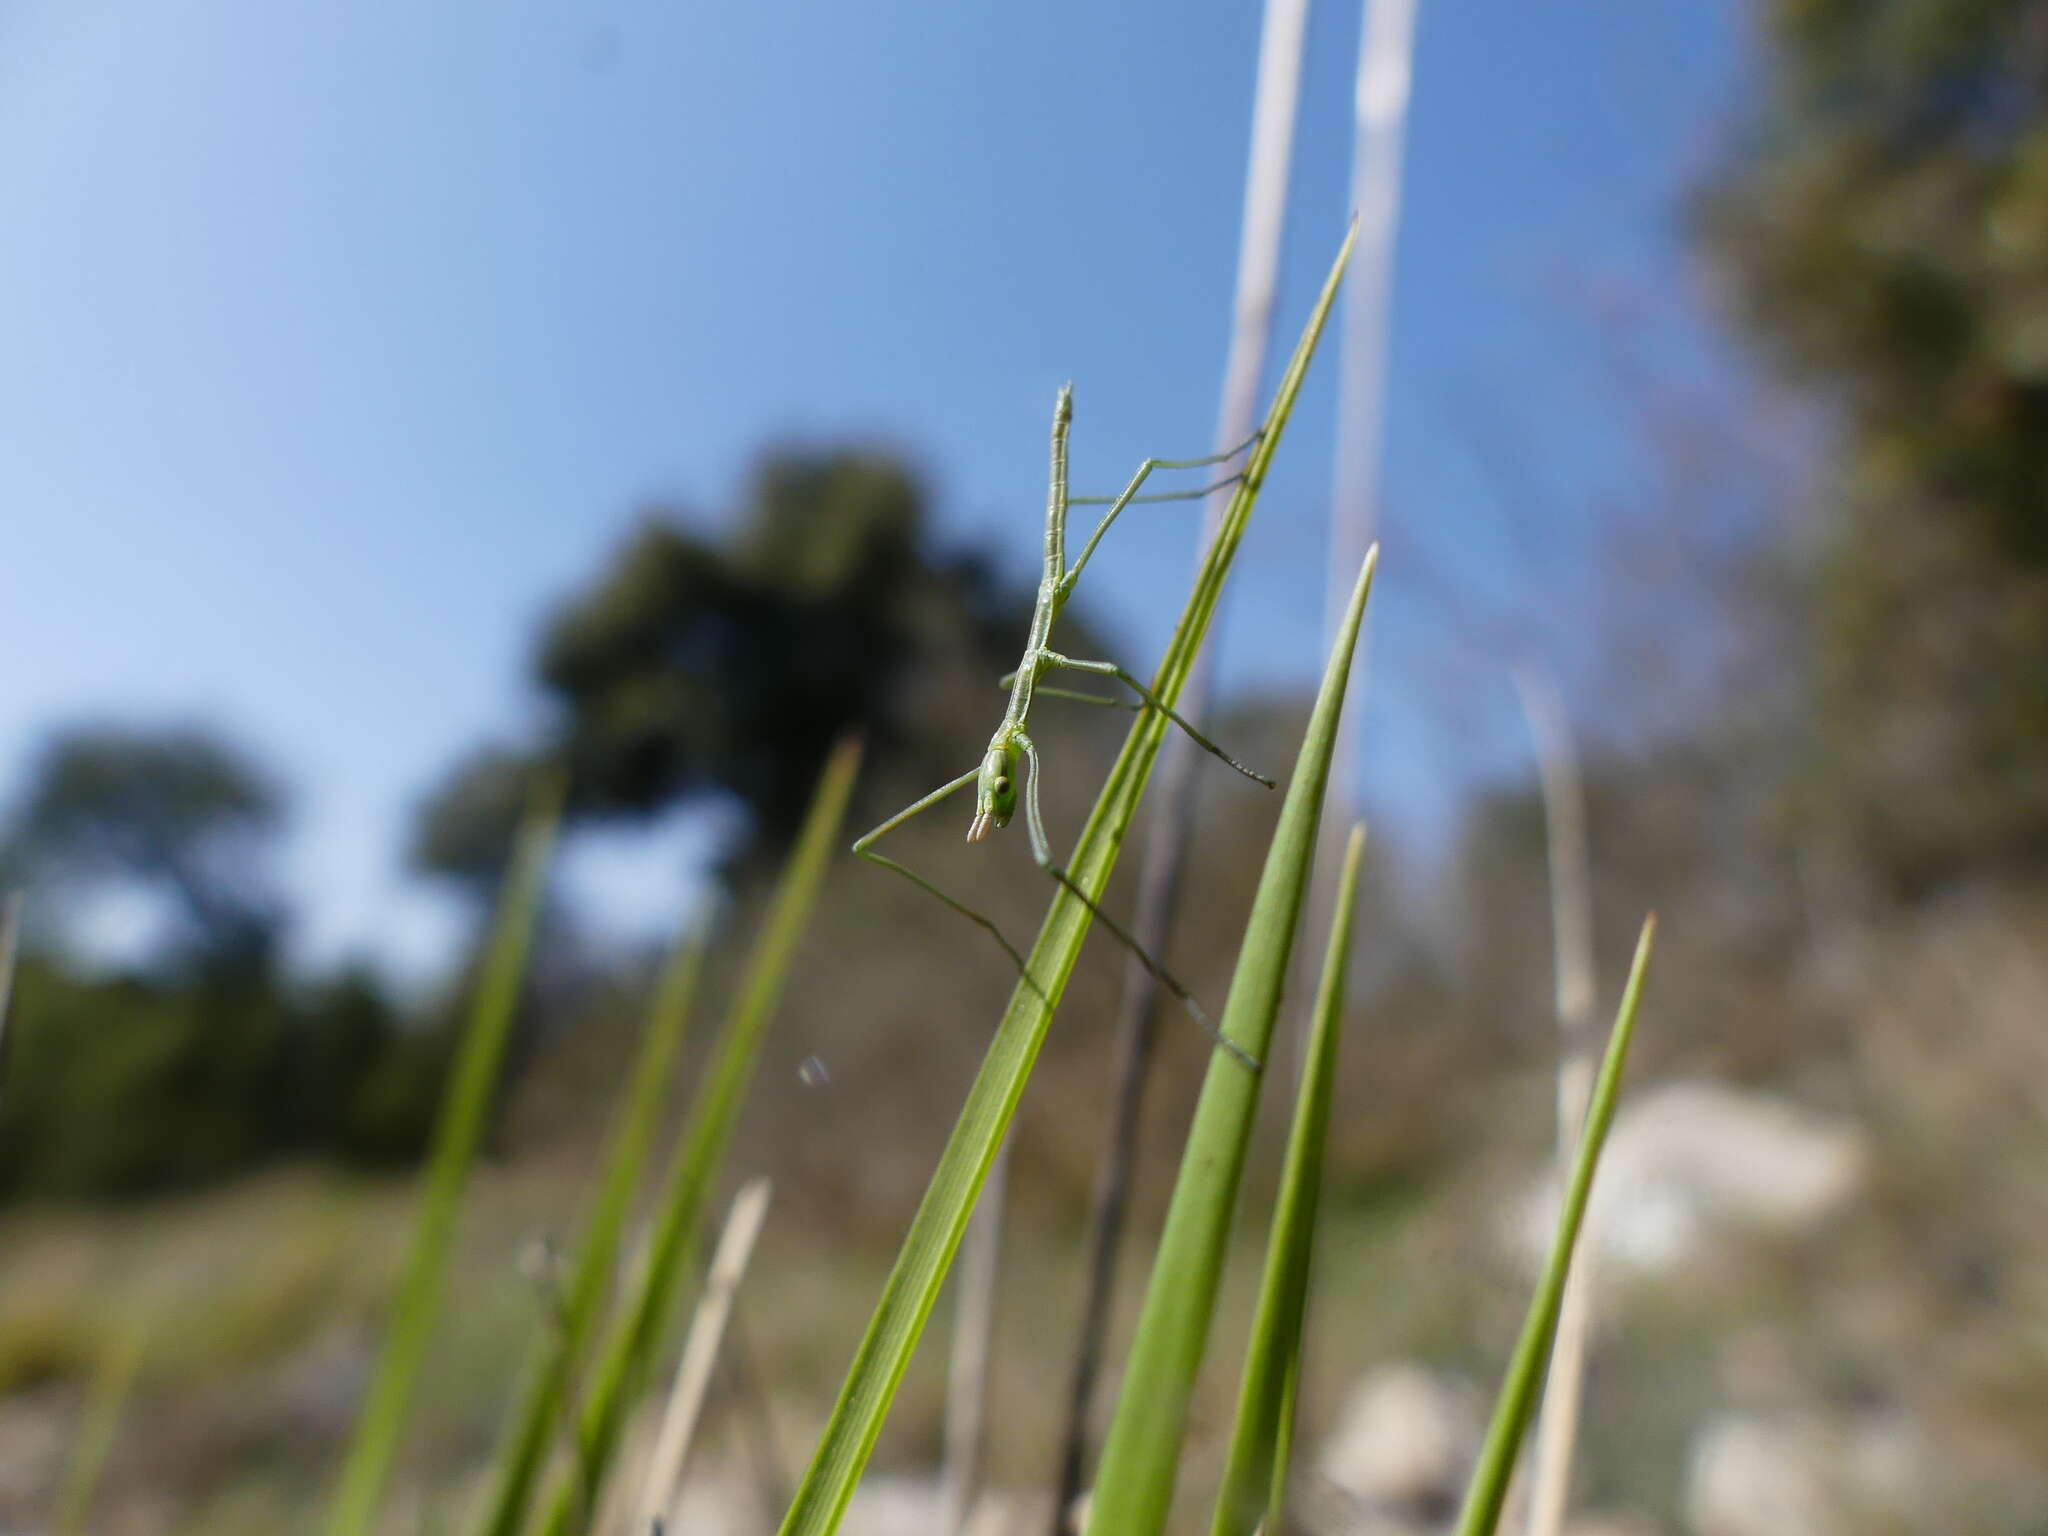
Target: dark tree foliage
(465,827)
(1884,232)
(727,665)
(691,667)
(176,813)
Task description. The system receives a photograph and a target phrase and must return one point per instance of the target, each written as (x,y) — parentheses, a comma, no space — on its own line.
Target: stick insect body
(1011,760)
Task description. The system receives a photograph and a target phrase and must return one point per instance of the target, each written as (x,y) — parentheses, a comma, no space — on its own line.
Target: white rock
(718,1505)
(886,1505)
(1805,1475)
(1608,1525)
(1689,1159)
(36,1430)
(1406,1439)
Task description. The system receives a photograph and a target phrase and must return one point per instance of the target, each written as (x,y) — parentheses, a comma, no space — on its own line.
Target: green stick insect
(996,780)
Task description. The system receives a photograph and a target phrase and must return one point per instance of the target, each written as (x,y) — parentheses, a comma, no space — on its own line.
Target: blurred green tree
(699,665)
(464,828)
(178,814)
(132,1085)
(1883,229)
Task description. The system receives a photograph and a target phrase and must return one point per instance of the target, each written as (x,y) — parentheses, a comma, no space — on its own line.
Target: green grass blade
(461,1128)
(105,1405)
(644,1318)
(1134,1487)
(913,1285)
(534,1421)
(1255,1476)
(1517,1400)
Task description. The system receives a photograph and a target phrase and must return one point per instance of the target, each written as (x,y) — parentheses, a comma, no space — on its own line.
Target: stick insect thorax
(995,786)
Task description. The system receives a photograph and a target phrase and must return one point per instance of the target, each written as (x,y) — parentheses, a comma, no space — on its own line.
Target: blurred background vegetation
(1843,820)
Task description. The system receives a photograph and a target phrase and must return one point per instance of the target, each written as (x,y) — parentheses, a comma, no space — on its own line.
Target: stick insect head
(995,792)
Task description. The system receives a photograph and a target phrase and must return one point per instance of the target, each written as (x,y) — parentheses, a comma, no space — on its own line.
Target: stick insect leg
(1130,494)
(1087,698)
(865,848)
(1111,669)
(1008,678)
(1041,850)
(1159,496)
(1213,458)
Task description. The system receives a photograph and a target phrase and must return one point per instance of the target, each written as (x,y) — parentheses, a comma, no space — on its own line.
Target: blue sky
(337,342)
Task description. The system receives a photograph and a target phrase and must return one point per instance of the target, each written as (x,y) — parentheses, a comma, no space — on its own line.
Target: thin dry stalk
(10,943)
(1275,102)
(1571,907)
(1386,64)
(974,1322)
(700,1355)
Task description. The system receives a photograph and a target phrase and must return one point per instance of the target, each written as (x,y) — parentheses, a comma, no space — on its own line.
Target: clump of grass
(456,1139)
(1255,1475)
(540,1406)
(640,1328)
(592,1370)
(1517,1400)
(1134,1488)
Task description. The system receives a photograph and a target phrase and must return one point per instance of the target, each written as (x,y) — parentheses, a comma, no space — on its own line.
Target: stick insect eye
(1002,784)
